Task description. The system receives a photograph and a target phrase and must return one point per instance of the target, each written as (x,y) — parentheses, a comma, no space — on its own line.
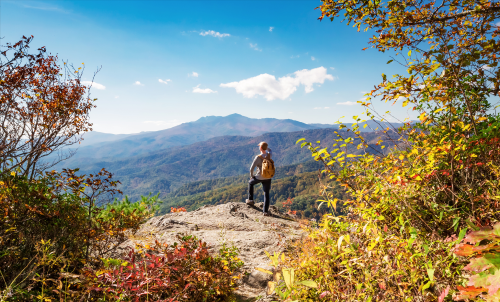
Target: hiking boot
(249,202)
(267,214)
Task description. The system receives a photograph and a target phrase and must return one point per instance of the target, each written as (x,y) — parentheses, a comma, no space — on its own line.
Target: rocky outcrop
(235,224)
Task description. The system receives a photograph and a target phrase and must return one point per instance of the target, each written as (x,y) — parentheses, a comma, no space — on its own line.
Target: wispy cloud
(332,68)
(137,83)
(164,81)
(347,103)
(317,108)
(94,85)
(313,58)
(271,88)
(214,34)
(271,28)
(47,8)
(197,89)
(295,57)
(254,46)
(193,74)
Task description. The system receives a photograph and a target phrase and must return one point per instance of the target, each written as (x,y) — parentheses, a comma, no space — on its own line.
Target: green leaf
(388,62)
(430,274)
(308,283)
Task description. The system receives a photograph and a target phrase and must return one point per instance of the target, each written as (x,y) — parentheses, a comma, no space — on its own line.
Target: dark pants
(266,186)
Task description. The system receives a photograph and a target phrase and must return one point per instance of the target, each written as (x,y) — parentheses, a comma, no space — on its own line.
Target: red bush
(180,272)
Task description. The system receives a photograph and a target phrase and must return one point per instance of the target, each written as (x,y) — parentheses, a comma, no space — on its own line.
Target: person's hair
(263,145)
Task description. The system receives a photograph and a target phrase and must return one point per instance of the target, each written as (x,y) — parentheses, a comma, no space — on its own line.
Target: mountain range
(116,146)
(162,161)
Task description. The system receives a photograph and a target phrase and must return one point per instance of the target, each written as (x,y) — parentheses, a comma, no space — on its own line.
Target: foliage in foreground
(184,271)
(51,229)
(412,206)
(56,226)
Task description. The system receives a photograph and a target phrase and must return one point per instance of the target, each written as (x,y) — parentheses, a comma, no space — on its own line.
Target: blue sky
(256,58)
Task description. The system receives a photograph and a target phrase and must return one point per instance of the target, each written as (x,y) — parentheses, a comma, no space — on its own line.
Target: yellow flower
(13,173)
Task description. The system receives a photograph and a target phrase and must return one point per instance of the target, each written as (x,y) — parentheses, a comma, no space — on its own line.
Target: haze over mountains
(115,146)
(209,148)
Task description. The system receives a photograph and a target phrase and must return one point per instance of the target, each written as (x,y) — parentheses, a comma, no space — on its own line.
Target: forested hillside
(166,170)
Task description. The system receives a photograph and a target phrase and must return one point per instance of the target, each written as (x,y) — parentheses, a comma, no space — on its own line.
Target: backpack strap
(261,157)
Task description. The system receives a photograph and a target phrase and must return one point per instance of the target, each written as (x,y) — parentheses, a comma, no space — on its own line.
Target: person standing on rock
(265,153)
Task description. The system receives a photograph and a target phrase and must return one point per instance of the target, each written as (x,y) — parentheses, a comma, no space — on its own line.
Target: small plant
(177,210)
(284,283)
(484,267)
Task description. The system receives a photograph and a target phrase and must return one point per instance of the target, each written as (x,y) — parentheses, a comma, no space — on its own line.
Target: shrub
(51,229)
(184,271)
(485,266)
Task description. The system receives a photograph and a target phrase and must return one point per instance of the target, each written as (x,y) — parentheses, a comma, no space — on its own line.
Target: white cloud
(295,57)
(317,108)
(271,28)
(214,34)
(347,103)
(137,83)
(94,85)
(486,67)
(332,68)
(116,97)
(164,81)
(164,124)
(497,24)
(254,46)
(313,58)
(197,89)
(270,88)
(193,74)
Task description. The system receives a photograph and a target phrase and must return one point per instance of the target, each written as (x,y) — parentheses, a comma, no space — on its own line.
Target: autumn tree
(43,107)
(411,205)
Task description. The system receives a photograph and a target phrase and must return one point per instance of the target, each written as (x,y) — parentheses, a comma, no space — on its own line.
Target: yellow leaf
(287,276)
(409,53)
(401,157)
(270,287)
(339,242)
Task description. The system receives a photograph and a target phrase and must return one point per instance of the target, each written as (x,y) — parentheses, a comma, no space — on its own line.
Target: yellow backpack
(267,167)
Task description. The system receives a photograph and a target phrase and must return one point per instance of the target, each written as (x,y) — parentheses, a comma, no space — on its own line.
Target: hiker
(265,171)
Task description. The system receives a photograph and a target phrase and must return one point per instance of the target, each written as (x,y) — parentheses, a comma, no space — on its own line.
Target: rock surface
(236,224)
